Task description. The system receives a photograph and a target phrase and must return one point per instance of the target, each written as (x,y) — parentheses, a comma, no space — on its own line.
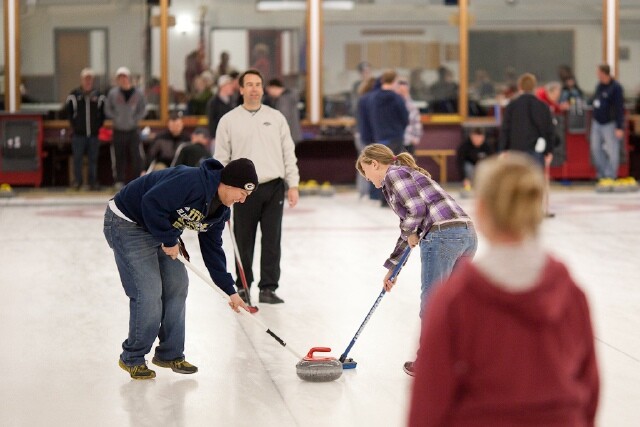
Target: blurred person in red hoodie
(507,339)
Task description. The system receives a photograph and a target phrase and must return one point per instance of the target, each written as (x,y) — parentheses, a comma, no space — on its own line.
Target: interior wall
(125,27)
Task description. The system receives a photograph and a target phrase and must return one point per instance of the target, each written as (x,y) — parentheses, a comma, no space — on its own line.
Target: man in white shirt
(260,133)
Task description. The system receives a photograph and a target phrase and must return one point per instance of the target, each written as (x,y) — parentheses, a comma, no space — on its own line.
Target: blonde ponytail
(383,155)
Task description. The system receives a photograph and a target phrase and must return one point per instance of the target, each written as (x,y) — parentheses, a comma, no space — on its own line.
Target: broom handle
(207,279)
(396,270)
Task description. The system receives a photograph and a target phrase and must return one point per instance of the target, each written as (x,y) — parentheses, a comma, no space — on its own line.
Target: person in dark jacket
(164,147)
(195,152)
(363,114)
(389,115)
(286,101)
(474,149)
(221,103)
(527,123)
(607,126)
(85,109)
(143,224)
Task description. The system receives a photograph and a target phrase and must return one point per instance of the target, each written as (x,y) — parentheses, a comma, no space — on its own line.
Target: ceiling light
(280,5)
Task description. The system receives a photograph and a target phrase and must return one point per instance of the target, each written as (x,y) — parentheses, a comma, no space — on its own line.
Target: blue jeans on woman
(440,251)
(157,289)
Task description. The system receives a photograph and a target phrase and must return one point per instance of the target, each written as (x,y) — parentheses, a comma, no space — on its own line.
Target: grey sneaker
(409,368)
(267,296)
(138,372)
(180,365)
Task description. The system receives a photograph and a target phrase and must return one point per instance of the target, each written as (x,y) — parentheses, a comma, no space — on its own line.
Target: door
(72,55)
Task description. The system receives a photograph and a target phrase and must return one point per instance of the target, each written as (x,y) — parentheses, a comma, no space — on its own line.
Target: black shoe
(267,296)
(243,294)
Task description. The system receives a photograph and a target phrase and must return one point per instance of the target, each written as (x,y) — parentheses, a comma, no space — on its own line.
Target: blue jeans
(440,251)
(157,289)
(469,171)
(605,149)
(90,145)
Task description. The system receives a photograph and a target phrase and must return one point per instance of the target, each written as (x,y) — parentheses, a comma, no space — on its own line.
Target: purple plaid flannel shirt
(419,201)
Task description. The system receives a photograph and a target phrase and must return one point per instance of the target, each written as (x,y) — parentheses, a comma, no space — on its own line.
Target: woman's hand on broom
(413,240)
(388,284)
(236,303)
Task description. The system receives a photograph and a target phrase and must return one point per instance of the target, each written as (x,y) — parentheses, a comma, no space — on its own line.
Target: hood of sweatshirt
(211,169)
(543,303)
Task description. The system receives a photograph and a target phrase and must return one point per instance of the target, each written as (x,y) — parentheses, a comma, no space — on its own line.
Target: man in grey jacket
(125,106)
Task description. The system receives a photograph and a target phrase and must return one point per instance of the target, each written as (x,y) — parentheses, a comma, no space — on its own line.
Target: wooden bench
(440,157)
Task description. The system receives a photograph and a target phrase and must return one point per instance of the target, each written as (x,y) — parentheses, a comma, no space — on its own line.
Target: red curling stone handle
(310,355)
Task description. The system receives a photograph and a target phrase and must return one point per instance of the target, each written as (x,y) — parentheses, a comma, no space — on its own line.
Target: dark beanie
(240,173)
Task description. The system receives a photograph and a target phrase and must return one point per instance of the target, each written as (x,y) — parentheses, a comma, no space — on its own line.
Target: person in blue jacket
(143,224)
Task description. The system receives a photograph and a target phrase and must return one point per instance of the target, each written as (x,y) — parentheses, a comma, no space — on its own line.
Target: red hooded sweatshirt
(489,357)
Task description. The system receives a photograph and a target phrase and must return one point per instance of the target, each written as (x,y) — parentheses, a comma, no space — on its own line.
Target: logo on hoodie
(190,218)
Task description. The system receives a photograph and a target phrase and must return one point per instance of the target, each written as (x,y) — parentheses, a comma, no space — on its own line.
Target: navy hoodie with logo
(167,202)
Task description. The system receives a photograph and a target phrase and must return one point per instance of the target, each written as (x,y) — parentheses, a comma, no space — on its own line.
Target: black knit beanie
(240,173)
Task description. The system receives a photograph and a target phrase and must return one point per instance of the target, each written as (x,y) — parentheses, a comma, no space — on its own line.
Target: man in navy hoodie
(389,114)
(143,224)
(607,126)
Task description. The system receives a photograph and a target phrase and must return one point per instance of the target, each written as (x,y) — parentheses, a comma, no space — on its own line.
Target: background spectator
(193,153)
(85,108)
(413,131)
(474,149)
(221,103)
(286,101)
(165,145)
(125,106)
(607,127)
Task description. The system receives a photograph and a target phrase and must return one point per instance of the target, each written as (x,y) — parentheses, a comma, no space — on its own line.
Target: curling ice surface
(64,315)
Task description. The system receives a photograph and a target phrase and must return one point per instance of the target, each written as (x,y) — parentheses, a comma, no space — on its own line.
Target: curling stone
(6,191)
(327,190)
(302,189)
(319,369)
(312,187)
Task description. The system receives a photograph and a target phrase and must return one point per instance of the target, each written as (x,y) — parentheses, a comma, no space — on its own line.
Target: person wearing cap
(164,147)
(143,224)
(221,103)
(195,152)
(125,106)
(286,101)
(85,109)
(261,133)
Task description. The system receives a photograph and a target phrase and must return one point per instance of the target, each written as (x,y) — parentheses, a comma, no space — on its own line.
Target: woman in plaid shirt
(429,216)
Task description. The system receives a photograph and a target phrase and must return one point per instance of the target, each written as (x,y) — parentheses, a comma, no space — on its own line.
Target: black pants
(123,142)
(266,207)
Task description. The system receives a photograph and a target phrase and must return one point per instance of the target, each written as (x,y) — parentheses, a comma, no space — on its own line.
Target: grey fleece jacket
(125,114)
